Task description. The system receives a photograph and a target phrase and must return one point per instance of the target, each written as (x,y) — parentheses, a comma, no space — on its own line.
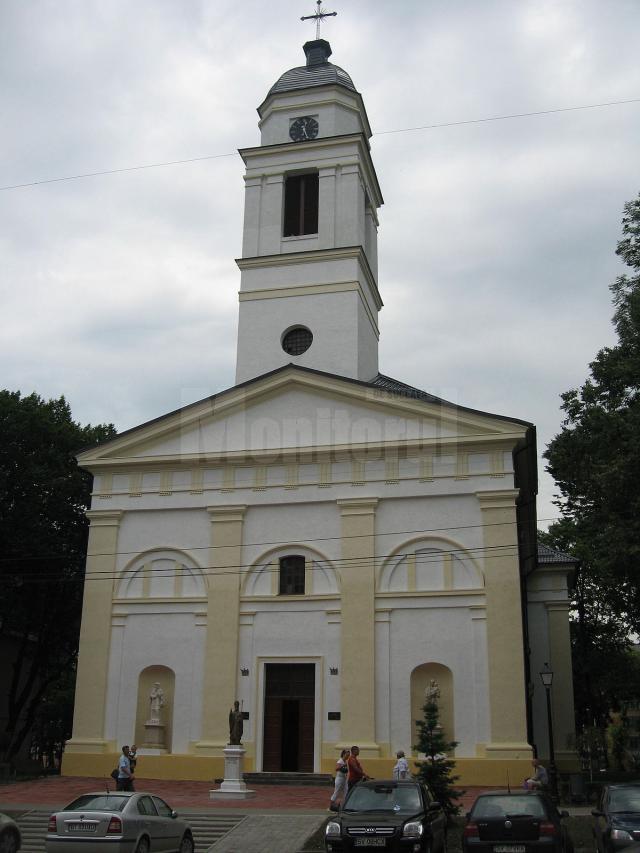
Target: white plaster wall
(340,344)
(185,530)
(401,521)
(315,525)
(440,630)
(335,109)
(149,636)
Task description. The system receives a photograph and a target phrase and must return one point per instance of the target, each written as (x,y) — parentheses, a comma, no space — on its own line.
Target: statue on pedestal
(235,724)
(432,693)
(156,702)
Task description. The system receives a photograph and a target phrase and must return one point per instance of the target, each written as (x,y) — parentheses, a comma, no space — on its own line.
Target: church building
(321,541)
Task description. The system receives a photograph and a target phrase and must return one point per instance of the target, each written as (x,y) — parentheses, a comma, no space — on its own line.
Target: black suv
(401,817)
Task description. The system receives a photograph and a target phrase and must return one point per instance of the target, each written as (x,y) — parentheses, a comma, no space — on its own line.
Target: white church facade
(319,541)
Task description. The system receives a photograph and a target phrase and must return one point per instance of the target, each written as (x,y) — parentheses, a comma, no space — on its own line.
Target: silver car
(118,822)
(9,835)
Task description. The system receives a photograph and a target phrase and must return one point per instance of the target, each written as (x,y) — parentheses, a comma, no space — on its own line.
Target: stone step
(320,779)
(207,829)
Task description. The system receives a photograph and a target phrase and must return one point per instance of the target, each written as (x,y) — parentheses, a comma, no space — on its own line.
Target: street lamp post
(546,676)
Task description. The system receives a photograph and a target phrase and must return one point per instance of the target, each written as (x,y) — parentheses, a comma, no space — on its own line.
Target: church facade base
(472,771)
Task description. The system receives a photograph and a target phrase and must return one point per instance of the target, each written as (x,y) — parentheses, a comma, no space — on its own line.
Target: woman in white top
(401,768)
(340,788)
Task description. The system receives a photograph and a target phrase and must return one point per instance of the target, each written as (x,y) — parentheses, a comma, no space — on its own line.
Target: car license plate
(370,842)
(510,848)
(82,827)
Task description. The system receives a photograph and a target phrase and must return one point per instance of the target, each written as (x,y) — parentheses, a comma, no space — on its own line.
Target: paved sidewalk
(261,833)
(57,791)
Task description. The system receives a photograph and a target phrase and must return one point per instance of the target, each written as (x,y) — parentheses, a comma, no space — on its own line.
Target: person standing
(133,758)
(124,781)
(356,771)
(340,788)
(401,768)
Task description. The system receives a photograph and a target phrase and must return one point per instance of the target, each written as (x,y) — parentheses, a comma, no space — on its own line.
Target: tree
(595,459)
(43,536)
(437,770)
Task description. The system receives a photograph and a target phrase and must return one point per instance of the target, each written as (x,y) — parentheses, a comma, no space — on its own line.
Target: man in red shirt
(356,772)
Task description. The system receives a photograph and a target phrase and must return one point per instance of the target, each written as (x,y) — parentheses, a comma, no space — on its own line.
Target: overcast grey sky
(496,241)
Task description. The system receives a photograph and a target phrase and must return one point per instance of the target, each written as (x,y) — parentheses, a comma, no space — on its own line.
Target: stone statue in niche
(432,693)
(235,724)
(156,703)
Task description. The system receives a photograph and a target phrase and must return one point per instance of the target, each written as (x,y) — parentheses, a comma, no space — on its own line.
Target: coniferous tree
(437,770)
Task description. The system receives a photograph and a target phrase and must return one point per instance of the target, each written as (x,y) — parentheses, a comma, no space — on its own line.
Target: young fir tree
(436,770)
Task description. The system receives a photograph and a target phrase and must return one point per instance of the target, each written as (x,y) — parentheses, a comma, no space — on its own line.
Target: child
(401,769)
(341,780)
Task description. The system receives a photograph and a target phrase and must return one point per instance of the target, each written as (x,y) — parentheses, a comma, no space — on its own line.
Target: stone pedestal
(233,786)
(154,735)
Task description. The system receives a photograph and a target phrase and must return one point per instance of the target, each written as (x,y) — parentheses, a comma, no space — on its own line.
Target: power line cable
(378,133)
(342,563)
(276,543)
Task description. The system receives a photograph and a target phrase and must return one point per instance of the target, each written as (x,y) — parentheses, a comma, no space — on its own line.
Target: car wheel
(143,845)
(8,841)
(186,845)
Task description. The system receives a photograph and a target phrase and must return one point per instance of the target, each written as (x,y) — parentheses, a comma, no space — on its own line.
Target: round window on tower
(297,340)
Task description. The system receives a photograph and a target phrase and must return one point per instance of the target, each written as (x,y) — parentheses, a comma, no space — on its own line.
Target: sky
(497,238)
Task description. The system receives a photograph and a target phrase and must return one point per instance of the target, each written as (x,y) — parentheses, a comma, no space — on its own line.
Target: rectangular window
(301,205)
(292,575)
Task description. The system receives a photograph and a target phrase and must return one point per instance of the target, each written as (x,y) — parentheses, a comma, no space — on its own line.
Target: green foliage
(595,459)
(437,770)
(43,534)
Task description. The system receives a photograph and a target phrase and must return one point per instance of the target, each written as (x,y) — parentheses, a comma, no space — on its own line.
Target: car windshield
(98,803)
(384,798)
(625,800)
(507,804)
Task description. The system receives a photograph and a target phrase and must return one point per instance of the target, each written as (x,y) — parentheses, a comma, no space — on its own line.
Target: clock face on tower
(305,127)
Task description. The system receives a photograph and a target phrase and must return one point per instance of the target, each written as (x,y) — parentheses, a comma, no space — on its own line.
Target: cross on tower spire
(319,16)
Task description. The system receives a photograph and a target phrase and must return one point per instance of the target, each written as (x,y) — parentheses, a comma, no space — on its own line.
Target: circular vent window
(297,340)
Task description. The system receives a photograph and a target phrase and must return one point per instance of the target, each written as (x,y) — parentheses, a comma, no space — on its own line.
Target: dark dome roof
(316,75)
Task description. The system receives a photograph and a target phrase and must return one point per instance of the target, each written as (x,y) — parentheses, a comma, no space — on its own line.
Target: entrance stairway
(297,779)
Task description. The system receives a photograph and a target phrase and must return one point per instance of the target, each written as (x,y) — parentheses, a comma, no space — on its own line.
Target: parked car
(515,822)
(10,839)
(617,819)
(118,822)
(402,817)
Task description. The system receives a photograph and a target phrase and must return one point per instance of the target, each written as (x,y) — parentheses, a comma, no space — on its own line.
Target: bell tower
(309,267)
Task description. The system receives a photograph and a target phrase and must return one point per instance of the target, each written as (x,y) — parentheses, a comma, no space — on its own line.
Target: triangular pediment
(294,411)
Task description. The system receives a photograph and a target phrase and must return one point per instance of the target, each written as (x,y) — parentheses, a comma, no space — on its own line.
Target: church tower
(309,271)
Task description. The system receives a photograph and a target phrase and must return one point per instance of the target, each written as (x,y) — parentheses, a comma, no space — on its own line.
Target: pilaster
(505,653)
(561,692)
(223,622)
(358,624)
(95,633)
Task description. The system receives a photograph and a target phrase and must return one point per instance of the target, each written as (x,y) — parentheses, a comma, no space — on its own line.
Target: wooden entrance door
(289,717)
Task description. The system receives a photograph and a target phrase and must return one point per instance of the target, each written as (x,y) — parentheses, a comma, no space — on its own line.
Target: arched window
(292,575)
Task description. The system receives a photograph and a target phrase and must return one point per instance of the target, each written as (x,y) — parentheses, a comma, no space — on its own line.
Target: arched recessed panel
(162,574)
(263,578)
(429,565)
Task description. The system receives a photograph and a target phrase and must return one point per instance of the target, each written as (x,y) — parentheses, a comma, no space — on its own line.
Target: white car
(118,822)
(10,839)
